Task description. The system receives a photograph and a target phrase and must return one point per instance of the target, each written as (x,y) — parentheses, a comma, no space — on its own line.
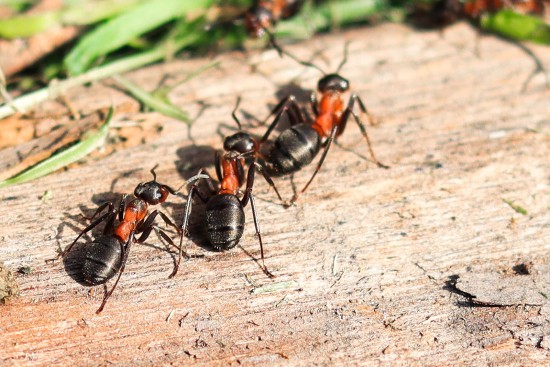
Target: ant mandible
(107,255)
(298,145)
(225,218)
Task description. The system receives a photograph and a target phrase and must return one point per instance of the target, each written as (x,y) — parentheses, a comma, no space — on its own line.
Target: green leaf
(28,25)
(126,27)
(63,158)
(517,26)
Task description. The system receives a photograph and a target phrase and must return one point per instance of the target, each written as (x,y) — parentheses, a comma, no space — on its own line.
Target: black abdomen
(294,148)
(224,221)
(102,260)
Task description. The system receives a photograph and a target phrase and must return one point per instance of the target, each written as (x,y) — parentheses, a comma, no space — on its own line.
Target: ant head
(257,19)
(151,192)
(240,142)
(333,83)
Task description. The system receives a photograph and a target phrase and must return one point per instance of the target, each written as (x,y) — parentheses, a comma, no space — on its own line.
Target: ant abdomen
(224,221)
(102,260)
(293,149)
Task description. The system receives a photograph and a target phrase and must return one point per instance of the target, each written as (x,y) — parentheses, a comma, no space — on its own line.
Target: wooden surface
(376,266)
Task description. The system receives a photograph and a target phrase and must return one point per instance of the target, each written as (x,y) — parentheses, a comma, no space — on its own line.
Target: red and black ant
(445,12)
(298,145)
(107,255)
(263,14)
(224,220)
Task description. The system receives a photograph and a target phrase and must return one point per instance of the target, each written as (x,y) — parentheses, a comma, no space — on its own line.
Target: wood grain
(368,253)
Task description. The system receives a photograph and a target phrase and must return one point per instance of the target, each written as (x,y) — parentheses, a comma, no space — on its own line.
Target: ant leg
(167,239)
(185,224)
(345,117)
(121,210)
(125,251)
(244,201)
(145,226)
(100,209)
(249,184)
(283,107)
(169,222)
(257,225)
(328,143)
(363,109)
(105,217)
(289,100)
(267,177)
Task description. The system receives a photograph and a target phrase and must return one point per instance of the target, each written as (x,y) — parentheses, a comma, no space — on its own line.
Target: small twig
(180,322)
(334,264)
(250,282)
(281,301)
(55,88)
(170,315)
(338,279)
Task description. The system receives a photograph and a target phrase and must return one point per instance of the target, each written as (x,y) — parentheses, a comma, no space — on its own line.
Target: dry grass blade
(63,158)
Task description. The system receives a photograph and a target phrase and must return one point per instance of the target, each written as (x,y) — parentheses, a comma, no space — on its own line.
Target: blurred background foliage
(121,30)
(67,43)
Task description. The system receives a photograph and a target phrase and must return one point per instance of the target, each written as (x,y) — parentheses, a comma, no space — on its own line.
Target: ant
(263,14)
(107,255)
(297,146)
(225,216)
(445,12)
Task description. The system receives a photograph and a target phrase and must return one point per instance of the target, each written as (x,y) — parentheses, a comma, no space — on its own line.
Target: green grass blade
(517,26)
(63,158)
(89,12)
(54,89)
(152,101)
(330,14)
(517,208)
(126,27)
(158,100)
(28,25)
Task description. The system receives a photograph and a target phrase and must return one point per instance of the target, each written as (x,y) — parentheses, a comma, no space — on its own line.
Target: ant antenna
(282,52)
(192,180)
(345,59)
(235,110)
(153,172)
